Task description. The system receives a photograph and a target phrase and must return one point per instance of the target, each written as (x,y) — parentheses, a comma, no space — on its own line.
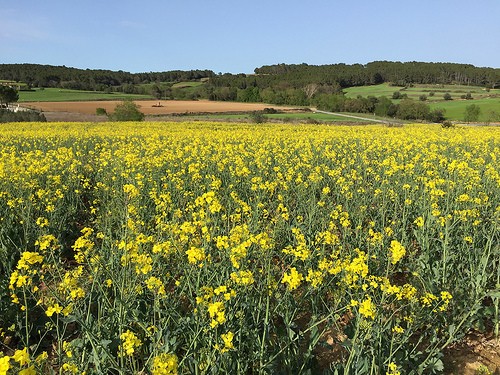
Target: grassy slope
(59,95)
(187,84)
(487,101)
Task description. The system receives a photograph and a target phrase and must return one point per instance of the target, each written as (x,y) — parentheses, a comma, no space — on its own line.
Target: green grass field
(455,109)
(181,85)
(488,101)
(60,95)
(456,91)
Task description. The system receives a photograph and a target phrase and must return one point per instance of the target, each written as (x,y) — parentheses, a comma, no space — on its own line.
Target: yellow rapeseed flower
(396,251)
(21,356)
(367,308)
(293,278)
(130,342)
(165,364)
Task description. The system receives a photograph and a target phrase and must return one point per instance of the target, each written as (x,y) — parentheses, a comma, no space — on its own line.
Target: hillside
(338,87)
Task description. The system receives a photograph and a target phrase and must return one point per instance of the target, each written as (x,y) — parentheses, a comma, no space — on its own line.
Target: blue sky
(239,35)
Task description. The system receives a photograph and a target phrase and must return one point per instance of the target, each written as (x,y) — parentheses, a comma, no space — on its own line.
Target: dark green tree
(383,106)
(8,95)
(436,115)
(127,111)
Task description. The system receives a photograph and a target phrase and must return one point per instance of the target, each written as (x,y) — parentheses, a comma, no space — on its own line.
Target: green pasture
(181,85)
(488,101)
(62,95)
(456,91)
(376,90)
(455,109)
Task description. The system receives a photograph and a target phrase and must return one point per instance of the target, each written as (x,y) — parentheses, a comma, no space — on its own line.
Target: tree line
(36,75)
(399,73)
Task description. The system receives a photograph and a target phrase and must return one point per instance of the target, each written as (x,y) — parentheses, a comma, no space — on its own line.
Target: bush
(436,115)
(396,95)
(447,96)
(447,124)
(101,111)
(270,111)
(257,117)
(422,98)
(127,111)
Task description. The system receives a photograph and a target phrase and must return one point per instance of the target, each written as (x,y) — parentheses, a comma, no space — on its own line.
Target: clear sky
(237,36)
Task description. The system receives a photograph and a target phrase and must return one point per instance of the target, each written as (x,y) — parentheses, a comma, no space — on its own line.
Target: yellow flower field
(207,248)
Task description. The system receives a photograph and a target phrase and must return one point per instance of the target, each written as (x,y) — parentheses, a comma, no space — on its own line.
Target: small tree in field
(127,111)
(472,113)
(8,95)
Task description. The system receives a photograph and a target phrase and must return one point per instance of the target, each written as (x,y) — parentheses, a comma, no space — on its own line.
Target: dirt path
(351,116)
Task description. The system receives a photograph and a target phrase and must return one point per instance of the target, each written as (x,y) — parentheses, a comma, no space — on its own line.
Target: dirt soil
(477,354)
(150,107)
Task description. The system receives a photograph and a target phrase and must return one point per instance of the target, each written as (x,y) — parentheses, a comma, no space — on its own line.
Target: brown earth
(150,107)
(477,354)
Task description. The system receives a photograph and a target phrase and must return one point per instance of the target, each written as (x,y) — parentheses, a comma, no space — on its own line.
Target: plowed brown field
(148,106)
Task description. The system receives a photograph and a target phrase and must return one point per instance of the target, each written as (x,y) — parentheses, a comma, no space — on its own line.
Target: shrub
(257,117)
(101,111)
(396,95)
(270,111)
(436,115)
(127,111)
(447,96)
(447,124)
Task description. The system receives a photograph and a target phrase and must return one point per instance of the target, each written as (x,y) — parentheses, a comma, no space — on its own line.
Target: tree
(156,91)
(492,116)
(436,115)
(383,107)
(472,113)
(127,111)
(8,95)
(411,110)
(311,89)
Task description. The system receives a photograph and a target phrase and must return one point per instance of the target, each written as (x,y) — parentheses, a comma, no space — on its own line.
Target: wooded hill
(401,74)
(308,84)
(279,76)
(296,84)
(36,75)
